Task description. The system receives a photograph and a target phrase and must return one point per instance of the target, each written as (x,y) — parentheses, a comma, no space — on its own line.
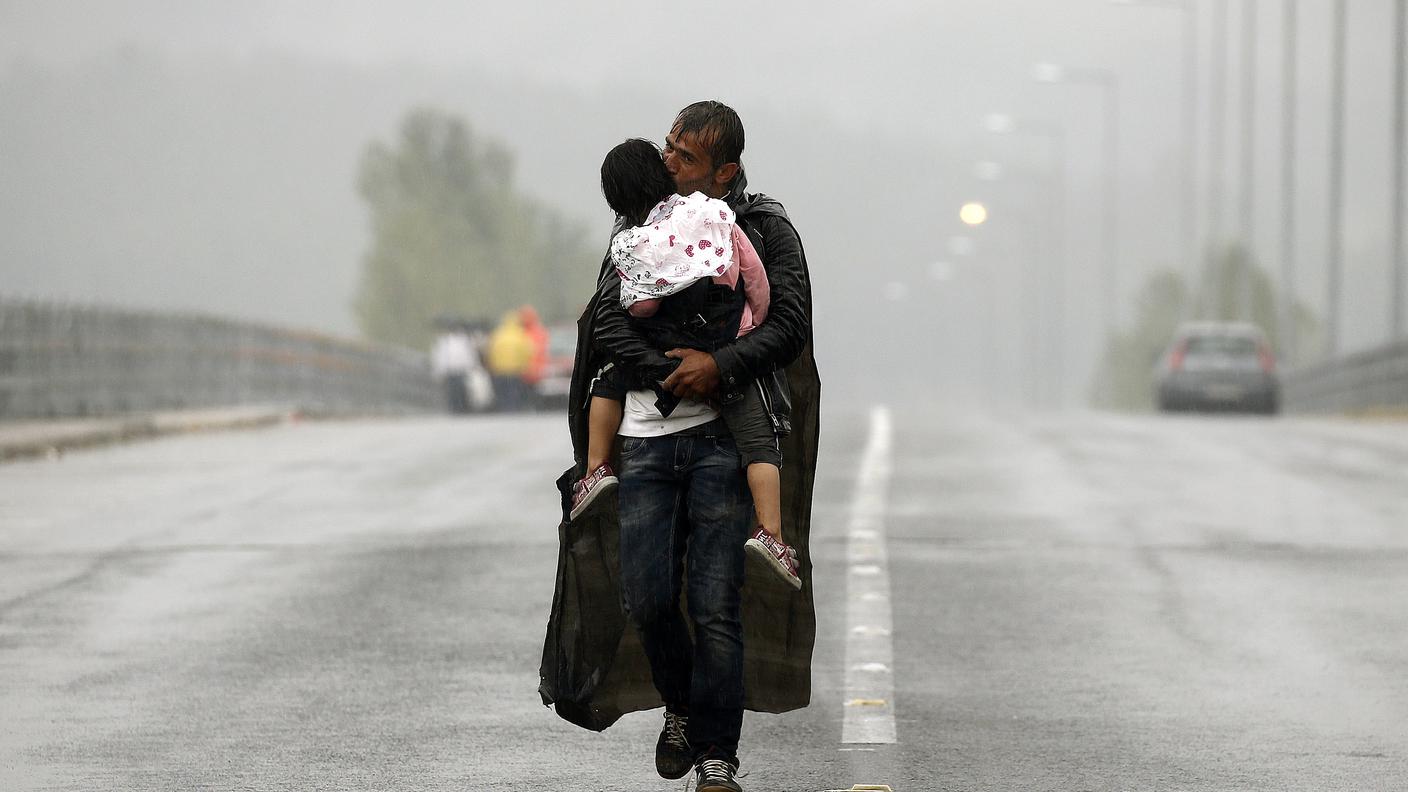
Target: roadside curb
(29,439)
(1379,414)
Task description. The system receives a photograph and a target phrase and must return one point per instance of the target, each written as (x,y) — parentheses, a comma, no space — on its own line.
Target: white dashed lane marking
(869,701)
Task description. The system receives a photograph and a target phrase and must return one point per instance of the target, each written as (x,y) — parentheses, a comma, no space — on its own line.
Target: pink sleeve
(641,309)
(755,278)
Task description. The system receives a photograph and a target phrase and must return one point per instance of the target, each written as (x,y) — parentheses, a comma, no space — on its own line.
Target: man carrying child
(684,507)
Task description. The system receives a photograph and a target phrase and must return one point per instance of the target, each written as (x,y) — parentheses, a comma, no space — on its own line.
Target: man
(538,339)
(450,361)
(510,355)
(684,510)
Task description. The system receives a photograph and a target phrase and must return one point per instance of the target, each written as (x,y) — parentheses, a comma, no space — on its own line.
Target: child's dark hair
(634,179)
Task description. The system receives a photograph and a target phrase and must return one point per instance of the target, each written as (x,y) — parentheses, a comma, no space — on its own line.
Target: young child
(672,244)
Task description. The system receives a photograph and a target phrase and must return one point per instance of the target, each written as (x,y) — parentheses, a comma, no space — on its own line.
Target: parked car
(557,372)
(1219,366)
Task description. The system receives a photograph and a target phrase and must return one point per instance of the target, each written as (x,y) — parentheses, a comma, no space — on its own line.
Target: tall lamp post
(1336,220)
(1245,300)
(1288,185)
(1187,231)
(1400,76)
(1217,114)
(1108,83)
(1055,137)
(1248,101)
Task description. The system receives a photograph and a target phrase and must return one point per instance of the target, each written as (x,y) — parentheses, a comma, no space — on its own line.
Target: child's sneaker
(591,488)
(779,556)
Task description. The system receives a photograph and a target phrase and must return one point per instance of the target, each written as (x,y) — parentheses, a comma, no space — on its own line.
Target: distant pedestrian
(510,354)
(537,365)
(477,382)
(450,362)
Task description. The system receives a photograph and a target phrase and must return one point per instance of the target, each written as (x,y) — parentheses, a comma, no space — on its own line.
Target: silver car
(1219,366)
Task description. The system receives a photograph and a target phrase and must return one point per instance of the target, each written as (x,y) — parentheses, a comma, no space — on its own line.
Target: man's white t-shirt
(641,419)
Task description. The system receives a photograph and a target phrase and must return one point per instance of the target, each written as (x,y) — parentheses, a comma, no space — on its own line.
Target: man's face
(689,163)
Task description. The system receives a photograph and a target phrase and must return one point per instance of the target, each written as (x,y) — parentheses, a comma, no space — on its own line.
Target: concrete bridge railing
(61,361)
(1369,381)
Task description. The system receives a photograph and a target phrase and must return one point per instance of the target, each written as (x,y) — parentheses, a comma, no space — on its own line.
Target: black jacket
(593,670)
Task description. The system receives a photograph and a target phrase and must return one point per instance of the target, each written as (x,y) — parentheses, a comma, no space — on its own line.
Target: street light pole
(1217,107)
(1190,140)
(1248,224)
(1288,185)
(1055,137)
(1400,76)
(1187,230)
(1336,232)
(1112,165)
(1108,82)
(1248,119)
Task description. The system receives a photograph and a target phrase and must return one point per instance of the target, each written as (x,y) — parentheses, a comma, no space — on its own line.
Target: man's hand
(697,376)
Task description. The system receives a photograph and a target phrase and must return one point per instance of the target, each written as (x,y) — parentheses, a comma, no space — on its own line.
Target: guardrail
(1376,379)
(61,360)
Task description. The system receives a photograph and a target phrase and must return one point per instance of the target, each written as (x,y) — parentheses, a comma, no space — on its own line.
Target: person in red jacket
(539,362)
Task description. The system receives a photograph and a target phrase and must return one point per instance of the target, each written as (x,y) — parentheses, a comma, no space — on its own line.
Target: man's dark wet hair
(634,179)
(717,127)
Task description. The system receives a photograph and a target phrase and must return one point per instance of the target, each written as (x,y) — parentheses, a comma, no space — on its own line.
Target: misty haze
(1108,303)
(205,158)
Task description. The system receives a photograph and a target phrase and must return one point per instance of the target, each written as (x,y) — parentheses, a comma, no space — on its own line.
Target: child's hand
(697,376)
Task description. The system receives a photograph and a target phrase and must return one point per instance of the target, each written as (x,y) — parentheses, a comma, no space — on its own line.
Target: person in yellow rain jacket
(511,353)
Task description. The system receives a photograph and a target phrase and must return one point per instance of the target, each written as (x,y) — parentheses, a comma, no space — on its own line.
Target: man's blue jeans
(685,515)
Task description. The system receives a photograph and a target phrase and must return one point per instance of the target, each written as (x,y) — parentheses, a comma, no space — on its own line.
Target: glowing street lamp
(973,213)
(1000,123)
(1048,73)
(987,170)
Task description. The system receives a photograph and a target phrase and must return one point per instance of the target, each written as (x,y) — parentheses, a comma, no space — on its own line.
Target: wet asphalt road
(1080,602)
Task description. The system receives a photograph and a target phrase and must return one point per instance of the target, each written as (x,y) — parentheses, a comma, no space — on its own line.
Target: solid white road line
(869,703)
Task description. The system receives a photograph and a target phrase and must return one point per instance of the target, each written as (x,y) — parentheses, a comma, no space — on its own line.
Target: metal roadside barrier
(60,361)
(1375,380)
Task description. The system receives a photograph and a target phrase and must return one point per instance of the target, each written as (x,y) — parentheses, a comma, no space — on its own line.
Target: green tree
(1232,288)
(451,235)
(1235,288)
(1125,379)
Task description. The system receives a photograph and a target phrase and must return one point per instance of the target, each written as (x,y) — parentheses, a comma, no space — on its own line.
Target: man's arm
(615,337)
(778,341)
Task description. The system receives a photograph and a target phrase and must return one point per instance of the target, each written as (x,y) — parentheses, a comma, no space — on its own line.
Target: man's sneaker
(716,775)
(672,755)
(591,488)
(777,554)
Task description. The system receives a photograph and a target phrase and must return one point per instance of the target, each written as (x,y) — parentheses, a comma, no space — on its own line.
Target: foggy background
(1025,597)
(202,156)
